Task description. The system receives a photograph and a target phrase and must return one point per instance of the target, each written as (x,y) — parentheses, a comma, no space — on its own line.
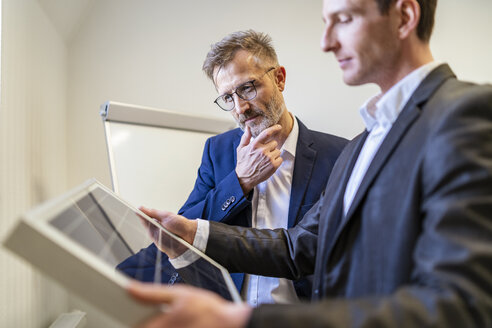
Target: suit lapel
(358,142)
(409,114)
(336,191)
(235,144)
(303,169)
(333,200)
(390,142)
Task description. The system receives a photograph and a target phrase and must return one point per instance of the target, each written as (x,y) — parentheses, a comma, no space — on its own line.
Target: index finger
(246,137)
(147,211)
(159,215)
(268,133)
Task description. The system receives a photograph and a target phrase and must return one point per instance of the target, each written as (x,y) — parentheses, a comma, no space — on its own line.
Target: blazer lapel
(335,191)
(358,142)
(331,217)
(392,139)
(235,144)
(303,169)
(409,114)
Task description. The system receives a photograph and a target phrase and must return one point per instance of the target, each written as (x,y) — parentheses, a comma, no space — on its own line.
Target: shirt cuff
(200,242)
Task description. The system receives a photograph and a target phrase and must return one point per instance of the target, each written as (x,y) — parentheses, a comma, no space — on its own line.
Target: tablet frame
(77,268)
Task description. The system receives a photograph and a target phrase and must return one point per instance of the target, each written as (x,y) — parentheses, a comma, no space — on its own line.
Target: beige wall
(33,157)
(463,38)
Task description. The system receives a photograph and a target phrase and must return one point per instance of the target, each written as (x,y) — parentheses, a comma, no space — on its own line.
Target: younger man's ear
(409,11)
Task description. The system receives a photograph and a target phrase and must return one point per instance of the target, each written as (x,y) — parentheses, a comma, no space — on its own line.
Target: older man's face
(266,108)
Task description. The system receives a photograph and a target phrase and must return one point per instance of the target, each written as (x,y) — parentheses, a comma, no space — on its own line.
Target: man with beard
(266,174)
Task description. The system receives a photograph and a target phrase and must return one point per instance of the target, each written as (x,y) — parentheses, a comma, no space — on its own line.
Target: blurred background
(61,59)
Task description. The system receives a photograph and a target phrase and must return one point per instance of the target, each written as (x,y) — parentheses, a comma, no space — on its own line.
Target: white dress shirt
(270,210)
(386,109)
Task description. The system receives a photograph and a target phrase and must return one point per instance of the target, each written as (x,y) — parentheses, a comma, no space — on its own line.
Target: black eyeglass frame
(252,82)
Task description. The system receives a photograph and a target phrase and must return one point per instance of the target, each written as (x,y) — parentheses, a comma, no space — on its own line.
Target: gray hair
(221,53)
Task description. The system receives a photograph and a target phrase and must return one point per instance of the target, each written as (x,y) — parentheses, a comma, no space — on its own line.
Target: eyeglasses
(246,91)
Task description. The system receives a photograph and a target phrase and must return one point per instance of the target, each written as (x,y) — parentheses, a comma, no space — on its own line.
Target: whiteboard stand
(154,154)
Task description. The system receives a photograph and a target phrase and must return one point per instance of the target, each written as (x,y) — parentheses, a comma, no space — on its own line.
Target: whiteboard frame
(112,111)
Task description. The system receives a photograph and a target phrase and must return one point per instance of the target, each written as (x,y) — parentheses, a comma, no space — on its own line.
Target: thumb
(147,211)
(149,293)
(246,138)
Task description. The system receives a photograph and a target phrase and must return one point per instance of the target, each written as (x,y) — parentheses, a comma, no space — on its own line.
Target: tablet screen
(114,232)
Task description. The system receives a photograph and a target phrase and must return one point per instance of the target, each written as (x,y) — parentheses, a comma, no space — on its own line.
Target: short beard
(271,116)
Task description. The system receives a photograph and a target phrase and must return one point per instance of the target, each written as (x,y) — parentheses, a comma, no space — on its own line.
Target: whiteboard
(154,154)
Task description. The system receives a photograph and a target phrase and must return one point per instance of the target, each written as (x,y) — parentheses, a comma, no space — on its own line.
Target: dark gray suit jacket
(415,248)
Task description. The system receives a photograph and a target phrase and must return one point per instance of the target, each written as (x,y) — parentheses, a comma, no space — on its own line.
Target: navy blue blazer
(217,195)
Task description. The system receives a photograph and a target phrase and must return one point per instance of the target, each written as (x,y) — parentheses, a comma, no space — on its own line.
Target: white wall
(463,38)
(150,53)
(33,157)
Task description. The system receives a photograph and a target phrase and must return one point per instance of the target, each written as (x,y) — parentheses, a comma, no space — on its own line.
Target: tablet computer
(93,242)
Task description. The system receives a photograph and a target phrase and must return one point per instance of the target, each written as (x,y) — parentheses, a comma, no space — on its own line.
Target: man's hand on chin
(258,159)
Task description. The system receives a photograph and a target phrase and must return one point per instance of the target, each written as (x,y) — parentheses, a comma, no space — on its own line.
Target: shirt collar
(290,144)
(389,105)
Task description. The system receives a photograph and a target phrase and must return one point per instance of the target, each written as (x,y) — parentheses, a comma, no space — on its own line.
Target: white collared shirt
(386,109)
(270,210)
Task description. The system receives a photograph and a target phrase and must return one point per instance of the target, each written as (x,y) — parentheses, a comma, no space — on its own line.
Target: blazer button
(173,279)
(232,199)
